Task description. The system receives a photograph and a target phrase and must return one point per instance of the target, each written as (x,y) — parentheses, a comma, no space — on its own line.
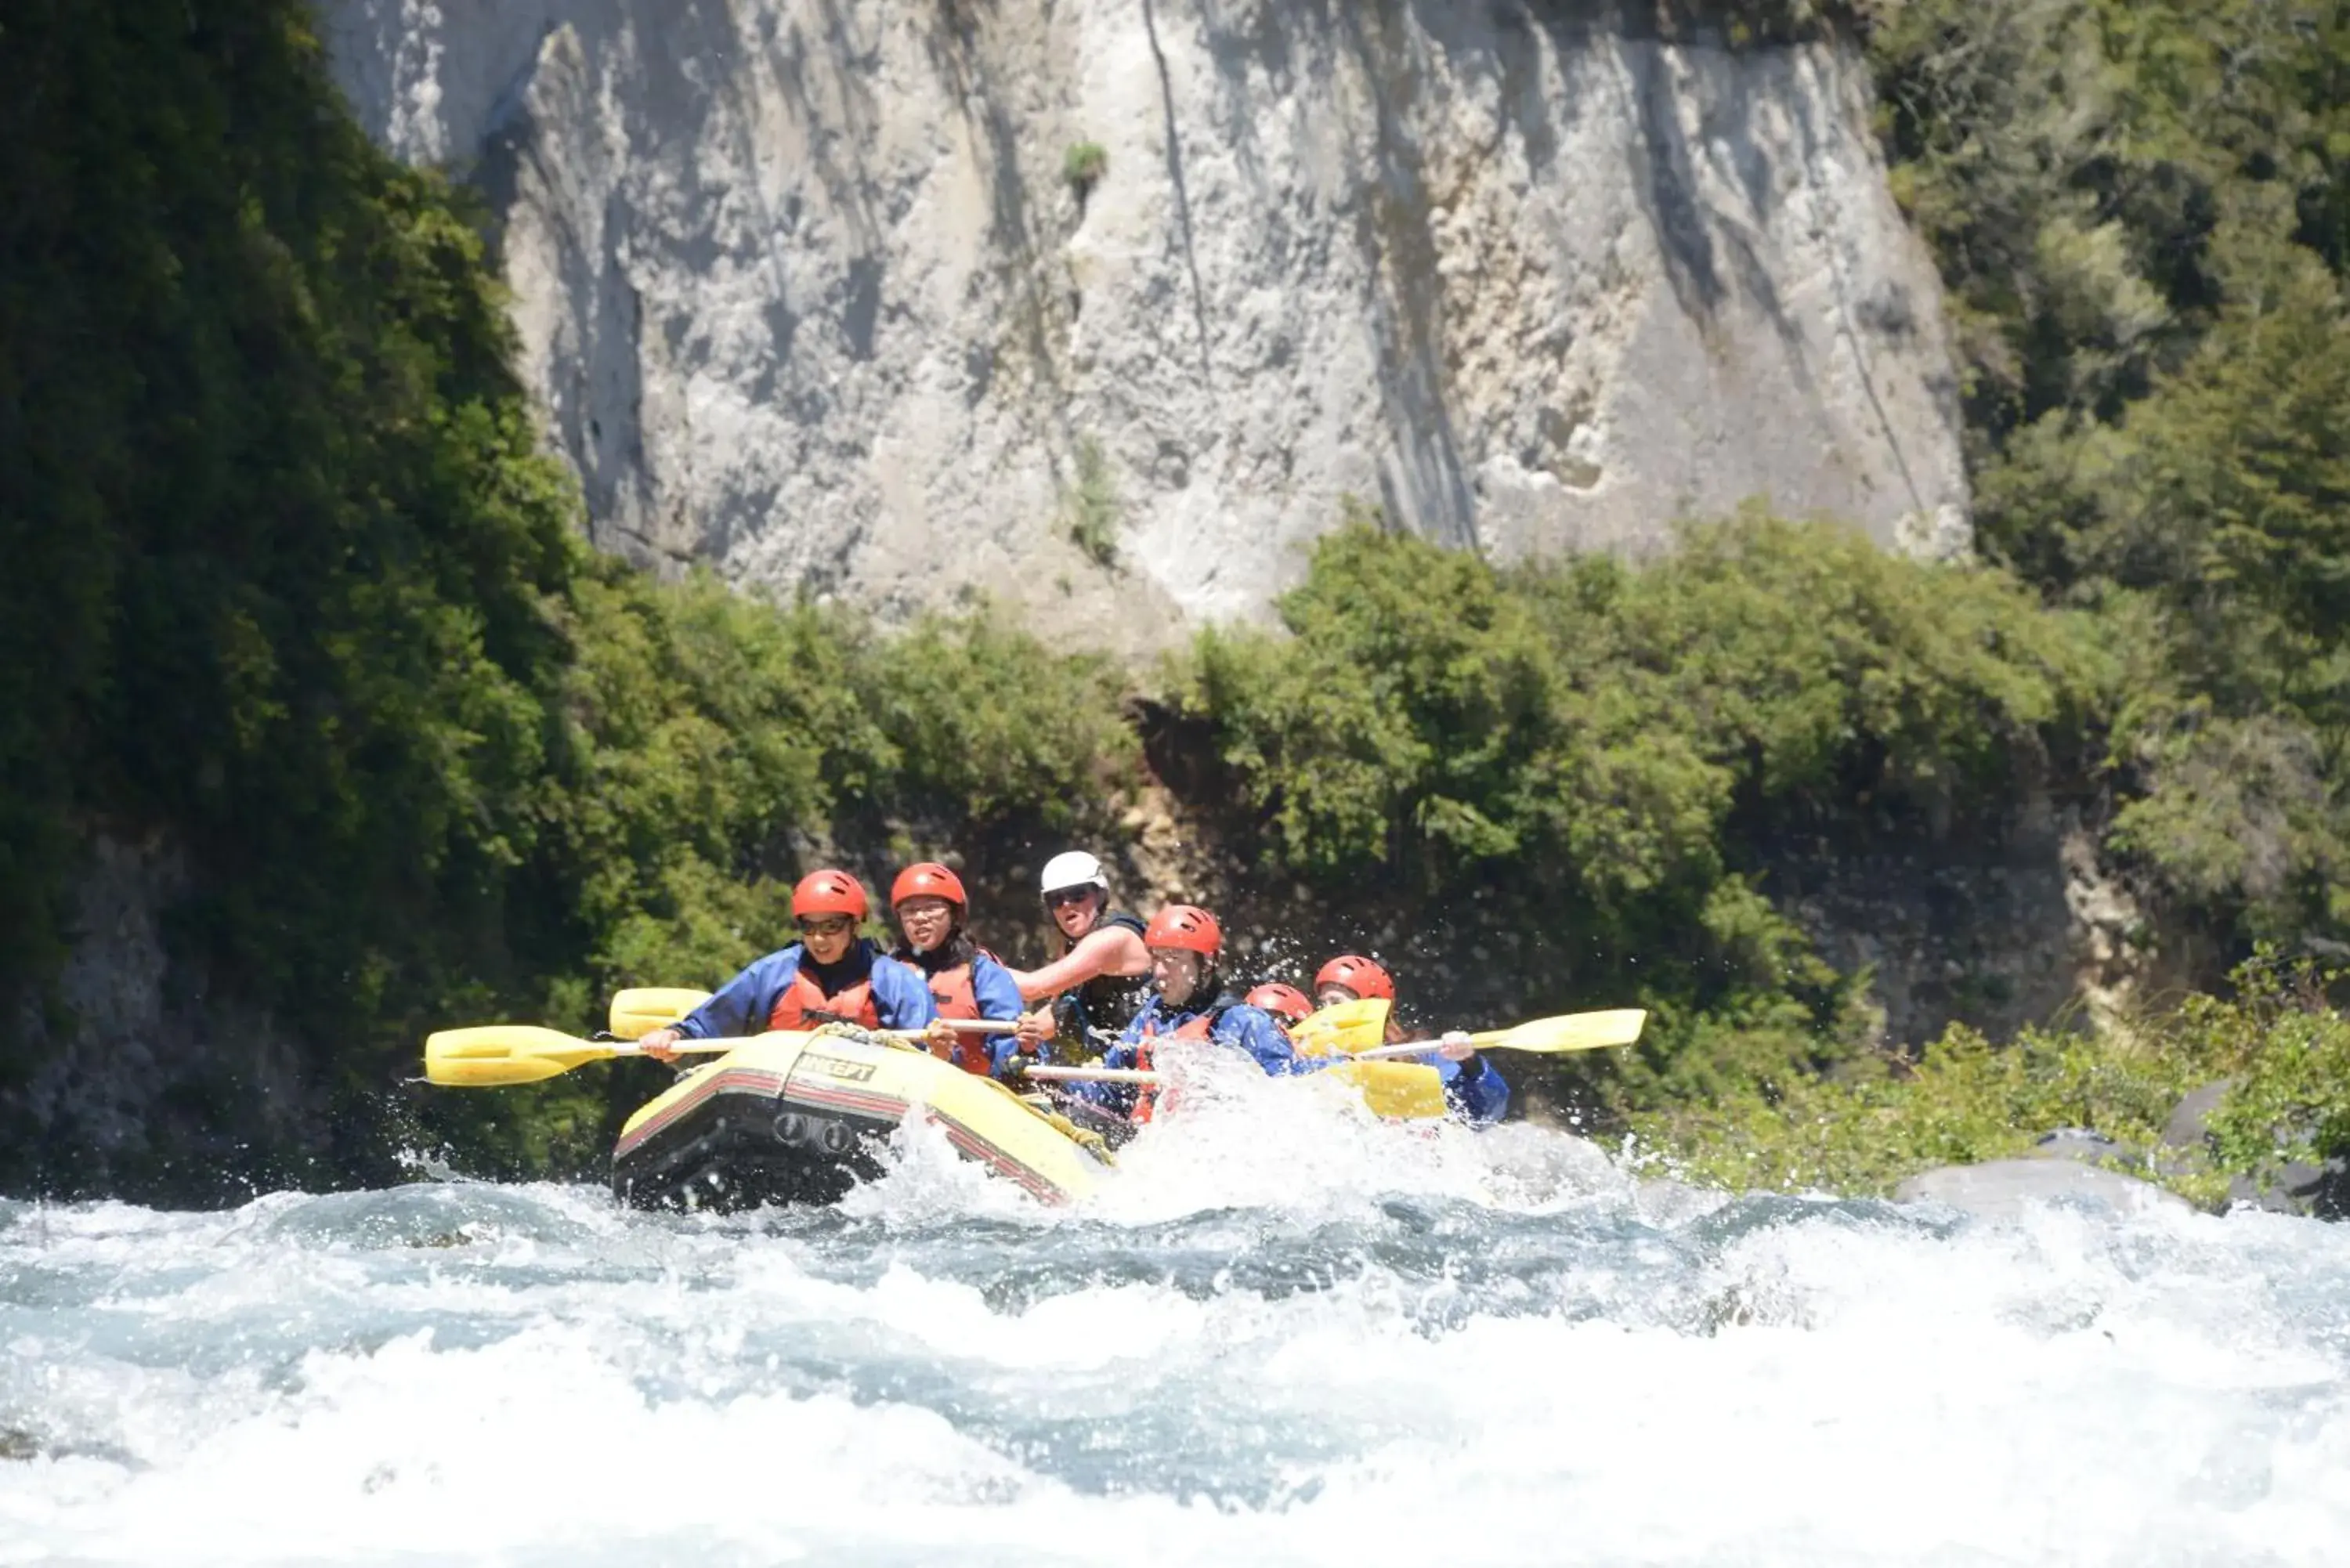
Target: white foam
(1182,1370)
(1247,1141)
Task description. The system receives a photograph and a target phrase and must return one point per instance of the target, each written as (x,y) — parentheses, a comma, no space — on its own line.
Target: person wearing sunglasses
(965,978)
(831,975)
(1104,970)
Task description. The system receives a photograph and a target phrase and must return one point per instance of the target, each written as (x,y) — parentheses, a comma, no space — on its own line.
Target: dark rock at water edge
(2077,1143)
(2189,1127)
(2001,1188)
(2320,1190)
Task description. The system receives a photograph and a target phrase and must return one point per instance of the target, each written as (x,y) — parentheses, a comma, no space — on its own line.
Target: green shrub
(2287,1048)
(1885,1117)
(1083,165)
(718,743)
(1092,506)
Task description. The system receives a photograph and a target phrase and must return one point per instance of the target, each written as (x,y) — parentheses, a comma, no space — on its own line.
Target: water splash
(1283,1334)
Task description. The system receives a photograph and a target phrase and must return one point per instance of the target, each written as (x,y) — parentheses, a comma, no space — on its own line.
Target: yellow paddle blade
(496,1055)
(1401,1090)
(1343,1028)
(1568,1032)
(640,1010)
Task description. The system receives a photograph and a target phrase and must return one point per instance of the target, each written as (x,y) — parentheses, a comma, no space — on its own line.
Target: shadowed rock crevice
(1889,323)
(1175,181)
(960,52)
(1405,268)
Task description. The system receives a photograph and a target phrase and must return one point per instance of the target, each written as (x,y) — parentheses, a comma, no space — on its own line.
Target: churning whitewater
(1283,1334)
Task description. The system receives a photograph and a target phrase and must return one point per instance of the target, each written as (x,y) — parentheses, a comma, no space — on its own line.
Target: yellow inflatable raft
(800,1117)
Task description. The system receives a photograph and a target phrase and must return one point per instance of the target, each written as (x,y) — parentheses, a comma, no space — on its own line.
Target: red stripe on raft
(974,1146)
(717,1081)
(967,1142)
(868,1101)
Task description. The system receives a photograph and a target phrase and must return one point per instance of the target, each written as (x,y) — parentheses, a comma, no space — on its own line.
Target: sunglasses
(1060,895)
(827,925)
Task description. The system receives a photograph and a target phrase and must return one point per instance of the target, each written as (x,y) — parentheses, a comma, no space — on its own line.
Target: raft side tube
(799,1117)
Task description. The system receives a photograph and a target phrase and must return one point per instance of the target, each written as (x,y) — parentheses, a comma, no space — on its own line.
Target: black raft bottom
(723,1156)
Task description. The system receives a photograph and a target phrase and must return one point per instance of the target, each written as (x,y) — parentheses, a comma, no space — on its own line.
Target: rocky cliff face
(141,1079)
(806,291)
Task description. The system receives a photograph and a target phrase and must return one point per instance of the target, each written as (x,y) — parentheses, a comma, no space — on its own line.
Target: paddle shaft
(1569,1032)
(1410,1048)
(1149,1079)
(1096,1075)
(1547,1036)
(959,1025)
(1142,1077)
(496,1055)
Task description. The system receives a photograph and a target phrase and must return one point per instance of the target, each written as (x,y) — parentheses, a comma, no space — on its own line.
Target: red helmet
(829,893)
(928,879)
(1285,1002)
(1358,974)
(1187,927)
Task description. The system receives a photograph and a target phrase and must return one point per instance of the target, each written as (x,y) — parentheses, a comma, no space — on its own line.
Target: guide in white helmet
(1103,970)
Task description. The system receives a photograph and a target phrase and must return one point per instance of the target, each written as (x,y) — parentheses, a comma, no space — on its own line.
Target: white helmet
(1072,869)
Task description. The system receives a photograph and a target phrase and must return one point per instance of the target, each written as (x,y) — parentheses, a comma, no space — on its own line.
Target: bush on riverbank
(1598,760)
(2277,1038)
(1890,1116)
(2288,1049)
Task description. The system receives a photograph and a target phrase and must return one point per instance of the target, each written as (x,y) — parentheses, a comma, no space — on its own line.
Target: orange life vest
(951,988)
(1201,1028)
(957,997)
(805,1004)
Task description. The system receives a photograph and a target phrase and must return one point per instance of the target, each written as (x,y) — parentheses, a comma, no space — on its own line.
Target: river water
(1283,1335)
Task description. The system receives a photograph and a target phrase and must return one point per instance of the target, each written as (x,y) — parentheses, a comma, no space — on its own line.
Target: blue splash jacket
(1249,1029)
(1481,1098)
(743,1004)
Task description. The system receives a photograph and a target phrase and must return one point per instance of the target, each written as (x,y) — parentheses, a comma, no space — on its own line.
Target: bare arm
(1114,949)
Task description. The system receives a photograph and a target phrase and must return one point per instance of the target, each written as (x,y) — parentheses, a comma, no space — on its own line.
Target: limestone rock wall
(804,292)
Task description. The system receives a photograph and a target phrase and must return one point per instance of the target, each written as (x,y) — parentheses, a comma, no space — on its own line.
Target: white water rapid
(1282,1336)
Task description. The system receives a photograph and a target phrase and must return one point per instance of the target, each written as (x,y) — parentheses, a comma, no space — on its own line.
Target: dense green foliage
(285,572)
(267,494)
(720,743)
(292,587)
(2278,1039)
(1600,757)
(2143,213)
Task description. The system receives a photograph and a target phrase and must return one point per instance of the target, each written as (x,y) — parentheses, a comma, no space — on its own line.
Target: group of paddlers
(1121,987)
